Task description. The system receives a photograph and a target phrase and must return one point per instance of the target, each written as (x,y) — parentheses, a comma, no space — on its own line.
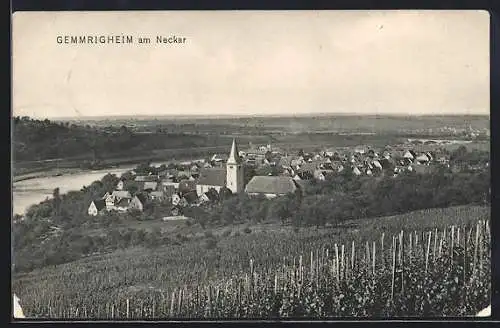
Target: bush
(226,233)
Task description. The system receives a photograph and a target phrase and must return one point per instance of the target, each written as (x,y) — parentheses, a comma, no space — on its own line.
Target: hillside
(37,140)
(141,273)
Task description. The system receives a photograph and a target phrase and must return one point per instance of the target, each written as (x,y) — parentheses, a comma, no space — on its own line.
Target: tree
(225,193)
(127,176)
(57,201)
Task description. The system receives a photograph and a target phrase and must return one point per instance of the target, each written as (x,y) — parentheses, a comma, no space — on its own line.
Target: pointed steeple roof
(234,156)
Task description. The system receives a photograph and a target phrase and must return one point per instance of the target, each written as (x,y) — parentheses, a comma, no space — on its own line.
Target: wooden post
(128,308)
(400,248)
(435,245)
(452,243)
(480,257)
(382,249)
(337,262)
(367,247)
(410,250)
(373,259)
(172,302)
(427,252)
(311,268)
(275,284)
(476,249)
(342,261)
(402,261)
(300,268)
(440,245)
(353,250)
(393,268)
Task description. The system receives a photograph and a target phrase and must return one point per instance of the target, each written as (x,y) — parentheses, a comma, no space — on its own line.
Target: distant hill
(36,140)
(309,123)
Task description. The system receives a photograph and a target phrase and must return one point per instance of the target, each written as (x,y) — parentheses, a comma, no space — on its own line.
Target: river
(32,191)
(28,192)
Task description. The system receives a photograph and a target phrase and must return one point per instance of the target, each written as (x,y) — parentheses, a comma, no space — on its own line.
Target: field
(202,137)
(438,265)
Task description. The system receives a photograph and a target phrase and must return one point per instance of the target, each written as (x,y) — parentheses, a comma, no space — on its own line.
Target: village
(274,173)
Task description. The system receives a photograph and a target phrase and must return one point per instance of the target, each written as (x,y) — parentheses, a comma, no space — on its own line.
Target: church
(233,178)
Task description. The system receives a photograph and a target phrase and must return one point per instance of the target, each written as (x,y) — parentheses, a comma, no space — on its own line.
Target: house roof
(124,202)
(212,195)
(271,185)
(157,193)
(142,198)
(99,204)
(309,167)
(150,185)
(213,177)
(142,178)
(121,194)
(285,161)
(191,196)
(187,185)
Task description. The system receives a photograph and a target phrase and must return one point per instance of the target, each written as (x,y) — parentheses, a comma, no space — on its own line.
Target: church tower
(234,171)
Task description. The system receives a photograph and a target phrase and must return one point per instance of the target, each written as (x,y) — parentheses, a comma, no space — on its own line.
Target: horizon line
(220,116)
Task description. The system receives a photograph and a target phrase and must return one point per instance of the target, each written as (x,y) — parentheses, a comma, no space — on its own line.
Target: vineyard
(432,271)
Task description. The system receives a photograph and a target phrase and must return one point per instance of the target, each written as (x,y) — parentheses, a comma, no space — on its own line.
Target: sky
(252,63)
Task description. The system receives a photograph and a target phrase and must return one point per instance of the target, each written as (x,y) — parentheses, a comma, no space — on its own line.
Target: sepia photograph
(250,165)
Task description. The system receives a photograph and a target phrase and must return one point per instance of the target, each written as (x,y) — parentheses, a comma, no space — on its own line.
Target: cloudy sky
(250,62)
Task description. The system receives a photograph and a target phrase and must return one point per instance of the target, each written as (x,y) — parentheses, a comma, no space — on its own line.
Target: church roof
(234,157)
(271,185)
(213,177)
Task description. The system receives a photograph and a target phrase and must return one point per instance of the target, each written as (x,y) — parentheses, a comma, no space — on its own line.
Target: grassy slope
(126,273)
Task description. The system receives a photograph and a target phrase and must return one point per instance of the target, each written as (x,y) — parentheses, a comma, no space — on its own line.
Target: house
(423,159)
(116,197)
(219,158)
(408,155)
(96,207)
(150,186)
(138,202)
(356,171)
(210,196)
(213,178)
(186,186)
(190,197)
(157,196)
(377,164)
(176,199)
(122,205)
(322,174)
(176,210)
(169,190)
(144,178)
(182,175)
(271,186)
(169,184)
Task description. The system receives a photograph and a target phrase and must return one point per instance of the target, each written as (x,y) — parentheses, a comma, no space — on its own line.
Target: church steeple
(234,155)
(234,170)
